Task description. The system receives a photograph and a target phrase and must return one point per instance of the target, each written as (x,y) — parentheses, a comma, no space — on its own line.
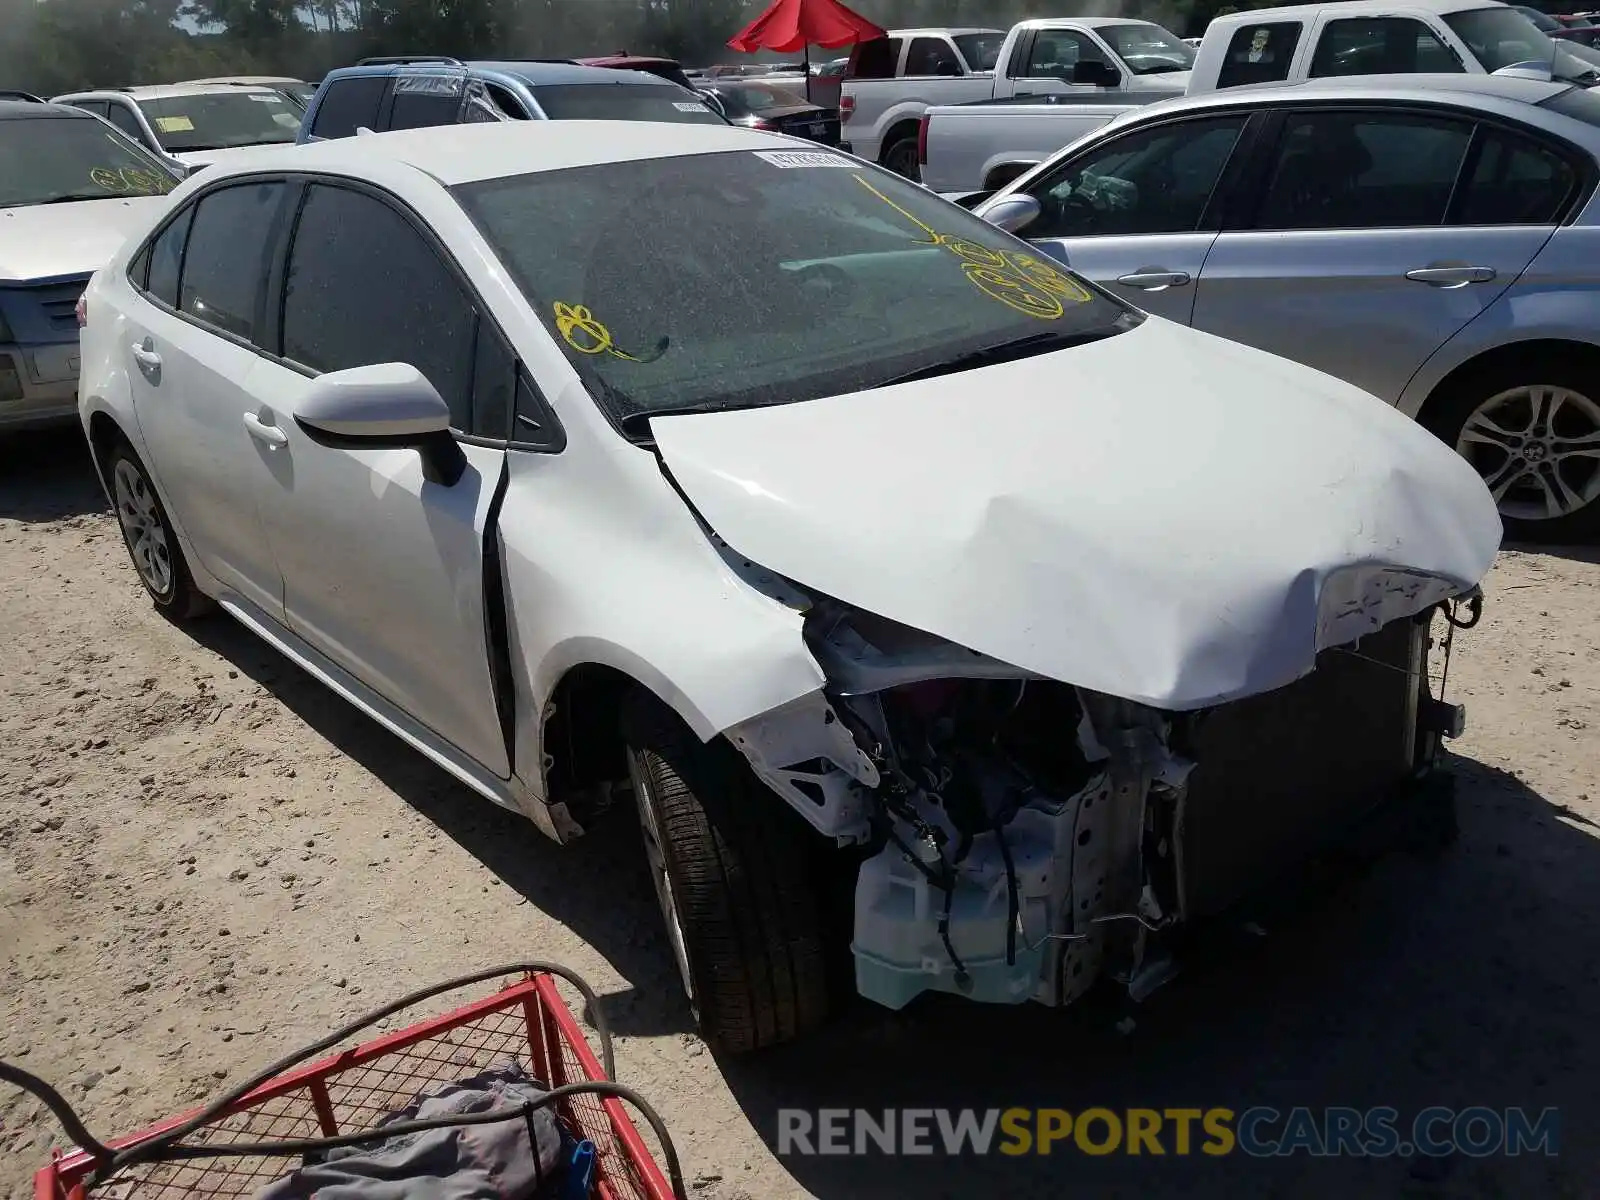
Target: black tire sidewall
(181,587)
(907,148)
(1447,412)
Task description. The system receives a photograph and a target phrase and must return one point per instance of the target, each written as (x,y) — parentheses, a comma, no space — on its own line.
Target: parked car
(298,91)
(966,149)
(408,93)
(1430,239)
(430,413)
(892,81)
(1371,37)
(71,189)
(193,124)
(662,68)
(761,106)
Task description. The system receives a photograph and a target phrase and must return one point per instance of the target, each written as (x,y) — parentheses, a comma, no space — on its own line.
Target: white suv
(935,603)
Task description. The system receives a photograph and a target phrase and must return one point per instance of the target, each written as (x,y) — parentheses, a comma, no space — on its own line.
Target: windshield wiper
(1022,347)
(75,197)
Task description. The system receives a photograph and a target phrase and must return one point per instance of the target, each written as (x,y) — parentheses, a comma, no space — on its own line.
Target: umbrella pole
(805,54)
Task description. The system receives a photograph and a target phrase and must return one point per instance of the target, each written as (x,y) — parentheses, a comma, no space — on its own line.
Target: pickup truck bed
(980,147)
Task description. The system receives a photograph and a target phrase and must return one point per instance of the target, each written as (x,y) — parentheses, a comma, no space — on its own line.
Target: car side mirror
(1096,73)
(387,404)
(1012,213)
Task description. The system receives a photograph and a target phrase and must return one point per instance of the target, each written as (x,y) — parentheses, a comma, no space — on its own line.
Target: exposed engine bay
(1026,837)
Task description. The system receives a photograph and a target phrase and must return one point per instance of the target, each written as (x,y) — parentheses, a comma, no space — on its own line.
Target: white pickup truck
(891,82)
(966,148)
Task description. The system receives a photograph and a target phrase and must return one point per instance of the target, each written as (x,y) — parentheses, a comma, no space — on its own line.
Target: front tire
(151,541)
(731,874)
(1532,431)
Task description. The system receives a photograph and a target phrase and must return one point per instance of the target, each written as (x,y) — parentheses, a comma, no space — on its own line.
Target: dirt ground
(206,859)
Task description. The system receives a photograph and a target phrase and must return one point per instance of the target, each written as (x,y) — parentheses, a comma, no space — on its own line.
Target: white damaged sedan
(943,615)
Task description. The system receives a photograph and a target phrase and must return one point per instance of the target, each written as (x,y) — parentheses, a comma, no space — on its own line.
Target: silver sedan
(1432,239)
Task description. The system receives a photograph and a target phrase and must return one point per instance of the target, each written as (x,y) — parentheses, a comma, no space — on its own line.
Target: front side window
(1149,181)
(981,50)
(122,117)
(1354,170)
(364,287)
(1500,37)
(221,120)
(1515,181)
(1381,46)
(1259,54)
(55,160)
(1056,51)
(1148,49)
(775,277)
(225,258)
(624,102)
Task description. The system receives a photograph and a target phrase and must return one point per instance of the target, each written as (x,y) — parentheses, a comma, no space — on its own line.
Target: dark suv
(407,93)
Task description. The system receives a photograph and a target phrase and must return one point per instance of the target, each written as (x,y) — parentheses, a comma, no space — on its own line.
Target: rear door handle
(269,435)
(1449,277)
(1154,281)
(145,355)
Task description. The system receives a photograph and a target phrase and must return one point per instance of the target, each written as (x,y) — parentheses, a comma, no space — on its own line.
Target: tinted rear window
(624,102)
(349,103)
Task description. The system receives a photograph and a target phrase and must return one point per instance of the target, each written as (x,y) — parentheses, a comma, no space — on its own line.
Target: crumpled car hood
(1163,516)
(43,241)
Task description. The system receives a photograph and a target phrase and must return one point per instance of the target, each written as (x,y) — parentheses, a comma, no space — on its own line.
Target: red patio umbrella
(790,25)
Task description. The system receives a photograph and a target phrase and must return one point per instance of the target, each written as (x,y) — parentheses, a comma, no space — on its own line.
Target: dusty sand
(206,859)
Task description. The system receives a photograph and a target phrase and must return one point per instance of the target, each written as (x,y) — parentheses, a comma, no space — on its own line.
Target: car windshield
(624,102)
(52,160)
(1501,37)
(778,276)
(1541,21)
(981,50)
(751,98)
(1148,49)
(221,120)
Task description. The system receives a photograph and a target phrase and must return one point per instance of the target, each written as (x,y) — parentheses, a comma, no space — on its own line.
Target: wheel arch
(1504,356)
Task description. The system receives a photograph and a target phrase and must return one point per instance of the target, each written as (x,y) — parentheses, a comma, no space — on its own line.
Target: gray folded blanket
(464,1162)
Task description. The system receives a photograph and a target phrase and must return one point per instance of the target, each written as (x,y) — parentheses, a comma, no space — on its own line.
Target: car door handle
(1154,281)
(1447,277)
(145,355)
(270,435)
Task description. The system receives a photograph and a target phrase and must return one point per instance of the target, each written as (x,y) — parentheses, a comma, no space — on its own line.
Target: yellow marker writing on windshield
(1020,281)
(580,330)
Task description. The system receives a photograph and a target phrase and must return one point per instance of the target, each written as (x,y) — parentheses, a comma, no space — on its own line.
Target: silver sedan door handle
(270,435)
(1451,277)
(1154,281)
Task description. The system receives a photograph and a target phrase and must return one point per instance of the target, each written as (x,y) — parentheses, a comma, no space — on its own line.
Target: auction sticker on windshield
(174,124)
(688,106)
(803,158)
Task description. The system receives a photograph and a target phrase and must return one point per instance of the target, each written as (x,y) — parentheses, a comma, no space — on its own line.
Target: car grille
(42,314)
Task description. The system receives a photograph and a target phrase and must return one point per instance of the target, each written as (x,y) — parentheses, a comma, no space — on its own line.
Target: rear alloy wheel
(732,875)
(152,543)
(1536,445)
(901,158)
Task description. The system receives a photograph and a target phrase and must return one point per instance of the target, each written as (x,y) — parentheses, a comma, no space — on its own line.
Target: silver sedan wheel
(656,854)
(1538,449)
(143,527)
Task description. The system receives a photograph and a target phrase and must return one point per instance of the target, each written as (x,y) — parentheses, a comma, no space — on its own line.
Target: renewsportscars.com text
(1259,1132)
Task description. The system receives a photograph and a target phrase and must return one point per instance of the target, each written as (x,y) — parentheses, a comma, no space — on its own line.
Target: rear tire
(901,157)
(1500,420)
(151,541)
(732,876)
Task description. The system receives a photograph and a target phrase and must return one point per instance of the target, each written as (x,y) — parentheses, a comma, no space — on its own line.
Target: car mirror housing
(1012,213)
(387,404)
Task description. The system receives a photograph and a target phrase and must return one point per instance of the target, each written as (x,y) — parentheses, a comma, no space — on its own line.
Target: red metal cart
(350,1091)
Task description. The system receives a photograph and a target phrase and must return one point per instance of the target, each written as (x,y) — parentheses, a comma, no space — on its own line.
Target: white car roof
(162,91)
(455,154)
(1354,8)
